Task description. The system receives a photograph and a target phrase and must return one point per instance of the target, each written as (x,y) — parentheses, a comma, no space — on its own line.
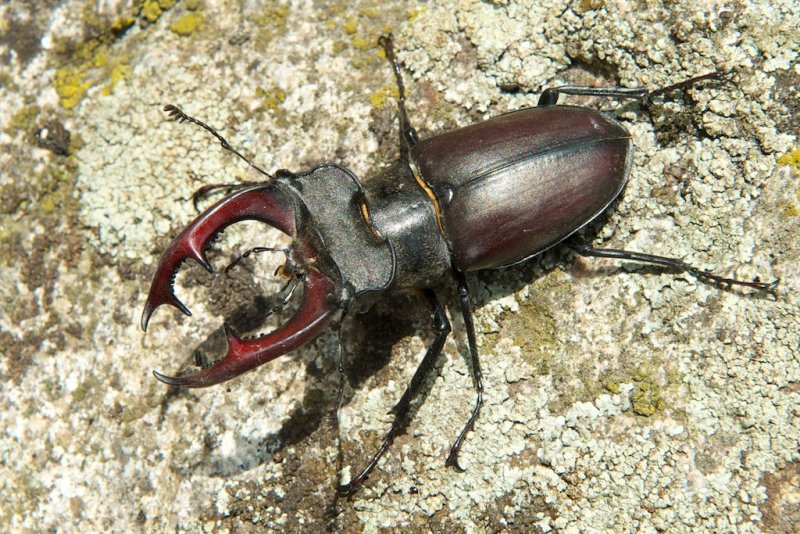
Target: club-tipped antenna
(177,114)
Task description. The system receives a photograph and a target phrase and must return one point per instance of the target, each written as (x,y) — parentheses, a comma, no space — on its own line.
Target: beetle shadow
(370,337)
(369,341)
(374,337)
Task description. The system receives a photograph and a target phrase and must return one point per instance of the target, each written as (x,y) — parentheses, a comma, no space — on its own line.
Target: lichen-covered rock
(616,398)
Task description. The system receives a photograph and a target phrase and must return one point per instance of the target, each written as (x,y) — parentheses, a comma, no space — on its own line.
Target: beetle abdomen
(510,187)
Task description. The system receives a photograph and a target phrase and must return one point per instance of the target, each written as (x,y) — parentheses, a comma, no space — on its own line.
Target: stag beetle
(485,196)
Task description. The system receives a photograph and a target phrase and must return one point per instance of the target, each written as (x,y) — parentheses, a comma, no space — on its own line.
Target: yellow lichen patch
(99,59)
(589,5)
(121,24)
(378,98)
(414,13)
(369,12)
(646,397)
(350,26)
(70,86)
(271,97)
(92,66)
(188,24)
(151,10)
(118,73)
(361,43)
(792,159)
(272,15)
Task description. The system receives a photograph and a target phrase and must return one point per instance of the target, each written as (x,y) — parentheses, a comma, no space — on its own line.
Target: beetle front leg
(477,376)
(582,248)
(442,328)
(408,135)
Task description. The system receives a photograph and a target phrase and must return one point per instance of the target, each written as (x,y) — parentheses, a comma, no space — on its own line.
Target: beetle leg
(250,251)
(340,370)
(581,247)
(549,96)
(408,135)
(442,328)
(466,312)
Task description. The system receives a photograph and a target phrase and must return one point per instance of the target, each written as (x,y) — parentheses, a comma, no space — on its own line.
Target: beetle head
(306,260)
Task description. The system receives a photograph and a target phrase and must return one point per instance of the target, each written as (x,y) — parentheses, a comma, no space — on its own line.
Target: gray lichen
(616,398)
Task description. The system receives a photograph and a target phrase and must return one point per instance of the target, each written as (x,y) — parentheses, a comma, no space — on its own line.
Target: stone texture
(617,398)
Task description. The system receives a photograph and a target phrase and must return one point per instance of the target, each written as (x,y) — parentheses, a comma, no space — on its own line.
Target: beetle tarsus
(248,252)
(685,85)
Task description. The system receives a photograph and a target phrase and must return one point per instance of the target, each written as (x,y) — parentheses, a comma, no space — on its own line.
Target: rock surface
(616,398)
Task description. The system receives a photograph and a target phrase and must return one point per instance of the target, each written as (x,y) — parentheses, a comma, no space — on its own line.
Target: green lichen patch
(23,120)
(533,329)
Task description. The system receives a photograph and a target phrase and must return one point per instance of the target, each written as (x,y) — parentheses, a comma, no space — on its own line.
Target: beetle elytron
(484,196)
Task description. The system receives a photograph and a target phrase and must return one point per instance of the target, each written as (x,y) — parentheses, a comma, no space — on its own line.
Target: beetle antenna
(176,114)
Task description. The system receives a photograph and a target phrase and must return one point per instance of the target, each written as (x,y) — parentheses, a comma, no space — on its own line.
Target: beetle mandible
(484,196)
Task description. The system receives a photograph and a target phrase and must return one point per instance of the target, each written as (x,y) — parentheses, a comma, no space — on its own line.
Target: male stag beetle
(485,196)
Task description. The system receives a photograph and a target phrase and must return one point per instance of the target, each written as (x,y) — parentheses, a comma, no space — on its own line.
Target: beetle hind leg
(582,248)
(401,410)
(550,95)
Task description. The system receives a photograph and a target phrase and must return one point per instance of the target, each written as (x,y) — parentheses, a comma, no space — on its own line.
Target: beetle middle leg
(582,248)
(477,376)
(441,326)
